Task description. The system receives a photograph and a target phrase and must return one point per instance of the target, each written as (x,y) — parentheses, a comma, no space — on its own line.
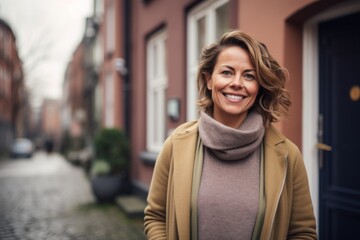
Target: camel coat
(288,212)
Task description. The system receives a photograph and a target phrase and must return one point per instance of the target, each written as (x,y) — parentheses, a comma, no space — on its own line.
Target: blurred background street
(100,85)
(45,197)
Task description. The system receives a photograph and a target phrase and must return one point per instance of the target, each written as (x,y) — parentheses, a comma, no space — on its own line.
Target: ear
(208,81)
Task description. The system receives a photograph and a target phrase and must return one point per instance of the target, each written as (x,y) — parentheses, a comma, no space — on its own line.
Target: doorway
(339,127)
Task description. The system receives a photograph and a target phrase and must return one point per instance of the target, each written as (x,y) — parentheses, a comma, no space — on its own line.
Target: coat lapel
(275,174)
(184,154)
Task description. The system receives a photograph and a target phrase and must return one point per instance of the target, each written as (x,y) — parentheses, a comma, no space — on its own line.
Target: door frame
(310,97)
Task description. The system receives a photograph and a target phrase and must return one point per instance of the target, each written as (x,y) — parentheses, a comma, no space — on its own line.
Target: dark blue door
(339,125)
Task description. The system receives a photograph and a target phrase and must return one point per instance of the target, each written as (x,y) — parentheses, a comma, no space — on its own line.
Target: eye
(226,73)
(249,76)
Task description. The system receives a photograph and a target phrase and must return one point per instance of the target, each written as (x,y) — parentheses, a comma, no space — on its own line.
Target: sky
(47,33)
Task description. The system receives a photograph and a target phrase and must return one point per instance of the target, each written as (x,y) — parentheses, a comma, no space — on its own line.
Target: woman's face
(233,86)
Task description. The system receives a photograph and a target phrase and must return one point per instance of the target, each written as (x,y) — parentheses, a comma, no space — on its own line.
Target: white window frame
(208,10)
(156,85)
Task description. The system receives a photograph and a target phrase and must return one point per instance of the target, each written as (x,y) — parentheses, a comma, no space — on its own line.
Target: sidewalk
(47,198)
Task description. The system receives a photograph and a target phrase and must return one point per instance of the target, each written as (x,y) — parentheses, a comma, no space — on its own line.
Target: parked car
(22,147)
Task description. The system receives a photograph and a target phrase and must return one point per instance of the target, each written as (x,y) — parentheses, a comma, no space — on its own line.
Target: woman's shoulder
(185,129)
(275,138)
(182,133)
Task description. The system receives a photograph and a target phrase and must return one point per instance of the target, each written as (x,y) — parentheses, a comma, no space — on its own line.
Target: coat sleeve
(302,221)
(155,212)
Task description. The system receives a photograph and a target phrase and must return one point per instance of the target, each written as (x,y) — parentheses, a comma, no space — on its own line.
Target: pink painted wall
(277,23)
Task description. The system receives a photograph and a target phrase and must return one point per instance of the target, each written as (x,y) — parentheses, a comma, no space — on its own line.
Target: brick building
(148,83)
(13,97)
(51,121)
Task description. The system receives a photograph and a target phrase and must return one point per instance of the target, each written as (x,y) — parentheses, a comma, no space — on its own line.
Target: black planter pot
(107,188)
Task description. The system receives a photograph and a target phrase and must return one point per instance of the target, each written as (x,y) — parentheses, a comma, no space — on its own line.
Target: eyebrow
(249,70)
(246,71)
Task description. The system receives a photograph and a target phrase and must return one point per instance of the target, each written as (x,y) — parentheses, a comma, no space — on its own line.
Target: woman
(231,174)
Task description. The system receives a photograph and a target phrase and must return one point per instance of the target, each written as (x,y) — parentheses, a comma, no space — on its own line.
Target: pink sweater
(228,197)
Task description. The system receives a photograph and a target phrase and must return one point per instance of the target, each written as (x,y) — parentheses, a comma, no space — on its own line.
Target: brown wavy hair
(273,100)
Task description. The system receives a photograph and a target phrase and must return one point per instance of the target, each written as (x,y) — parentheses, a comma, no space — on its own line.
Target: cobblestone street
(47,198)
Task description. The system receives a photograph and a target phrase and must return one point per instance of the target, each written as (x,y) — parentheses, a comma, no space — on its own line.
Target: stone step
(132,205)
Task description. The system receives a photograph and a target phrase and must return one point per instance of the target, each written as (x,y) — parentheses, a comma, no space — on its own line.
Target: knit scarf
(228,143)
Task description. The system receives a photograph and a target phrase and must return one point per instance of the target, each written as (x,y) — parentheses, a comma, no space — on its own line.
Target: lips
(233,97)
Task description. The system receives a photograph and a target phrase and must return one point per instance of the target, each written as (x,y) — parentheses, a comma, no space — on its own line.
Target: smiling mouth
(233,97)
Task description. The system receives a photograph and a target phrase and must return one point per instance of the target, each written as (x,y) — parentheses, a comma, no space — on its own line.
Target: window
(206,23)
(156,82)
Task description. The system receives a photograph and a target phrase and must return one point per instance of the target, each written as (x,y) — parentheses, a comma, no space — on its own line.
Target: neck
(233,121)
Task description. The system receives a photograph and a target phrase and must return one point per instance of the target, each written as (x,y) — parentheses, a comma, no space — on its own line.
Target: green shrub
(111,146)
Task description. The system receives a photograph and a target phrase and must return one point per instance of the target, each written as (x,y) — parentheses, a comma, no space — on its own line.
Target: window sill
(148,158)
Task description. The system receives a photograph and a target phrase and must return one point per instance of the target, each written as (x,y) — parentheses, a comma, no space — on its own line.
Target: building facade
(83,111)
(13,96)
(166,39)
(148,82)
(51,121)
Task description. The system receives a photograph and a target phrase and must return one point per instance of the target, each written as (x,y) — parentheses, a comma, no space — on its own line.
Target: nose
(237,82)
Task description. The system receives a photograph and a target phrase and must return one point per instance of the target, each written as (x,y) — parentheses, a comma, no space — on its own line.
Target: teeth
(234,97)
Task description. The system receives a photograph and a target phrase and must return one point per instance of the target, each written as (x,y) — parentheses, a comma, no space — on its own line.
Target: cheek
(254,89)
(219,83)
